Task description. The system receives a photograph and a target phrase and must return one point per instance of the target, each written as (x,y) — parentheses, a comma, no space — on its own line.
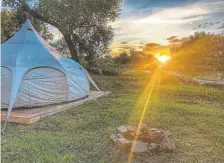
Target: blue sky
(144,21)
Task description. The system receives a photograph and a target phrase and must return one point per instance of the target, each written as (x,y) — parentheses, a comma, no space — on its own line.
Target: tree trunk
(71,47)
(90,60)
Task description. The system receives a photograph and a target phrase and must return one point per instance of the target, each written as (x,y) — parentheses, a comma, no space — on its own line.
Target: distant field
(194,114)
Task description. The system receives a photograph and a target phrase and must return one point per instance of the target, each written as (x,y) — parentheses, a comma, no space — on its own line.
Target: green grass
(194,114)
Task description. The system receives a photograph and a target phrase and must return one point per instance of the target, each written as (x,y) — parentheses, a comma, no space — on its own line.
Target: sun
(162,58)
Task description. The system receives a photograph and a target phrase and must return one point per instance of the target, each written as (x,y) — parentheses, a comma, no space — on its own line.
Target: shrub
(106,66)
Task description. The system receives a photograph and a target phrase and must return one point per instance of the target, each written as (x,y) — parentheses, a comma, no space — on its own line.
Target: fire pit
(144,139)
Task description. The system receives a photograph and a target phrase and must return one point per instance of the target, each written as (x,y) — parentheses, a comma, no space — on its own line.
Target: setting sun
(162,58)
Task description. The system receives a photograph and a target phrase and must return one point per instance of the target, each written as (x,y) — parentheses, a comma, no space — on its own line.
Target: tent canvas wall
(33,73)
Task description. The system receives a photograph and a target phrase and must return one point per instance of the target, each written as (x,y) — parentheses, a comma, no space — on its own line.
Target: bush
(123,58)
(106,66)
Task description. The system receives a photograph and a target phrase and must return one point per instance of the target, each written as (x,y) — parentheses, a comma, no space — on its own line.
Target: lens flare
(162,58)
(143,104)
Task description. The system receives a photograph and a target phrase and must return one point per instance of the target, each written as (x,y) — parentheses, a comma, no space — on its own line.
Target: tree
(197,35)
(218,46)
(61,46)
(123,58)
(136,56)
(6,24)
(69,16)
(94,42)
(12,21)
(196,55)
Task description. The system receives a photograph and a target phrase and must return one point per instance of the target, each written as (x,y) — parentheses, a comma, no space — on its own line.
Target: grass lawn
(194,114)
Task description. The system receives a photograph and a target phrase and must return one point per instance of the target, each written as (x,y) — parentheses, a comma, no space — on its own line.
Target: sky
(153,21)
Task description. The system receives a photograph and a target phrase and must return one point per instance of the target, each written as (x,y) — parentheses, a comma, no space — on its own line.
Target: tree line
(199,53)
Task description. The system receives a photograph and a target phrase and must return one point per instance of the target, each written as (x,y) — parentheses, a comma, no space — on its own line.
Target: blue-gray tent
(35,74)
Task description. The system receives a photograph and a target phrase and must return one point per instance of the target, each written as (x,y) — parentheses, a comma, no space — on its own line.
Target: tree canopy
(201,53)
(77,20)
(12,21)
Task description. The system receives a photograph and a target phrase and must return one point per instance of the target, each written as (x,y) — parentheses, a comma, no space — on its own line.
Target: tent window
(29,29)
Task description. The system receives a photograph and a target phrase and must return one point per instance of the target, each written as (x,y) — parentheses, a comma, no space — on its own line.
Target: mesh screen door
(42,86)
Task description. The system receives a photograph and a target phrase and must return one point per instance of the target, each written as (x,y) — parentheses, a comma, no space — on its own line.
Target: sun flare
(162,58)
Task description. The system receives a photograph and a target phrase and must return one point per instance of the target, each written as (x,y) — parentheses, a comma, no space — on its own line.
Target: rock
(154,147)
(139,146)
(123,144)
(128,131)
(122,141)
(152,137)
(157,130)
(130,128)
(131,132)
(125,133)
(113,137)
(144,127)
(145,140)
(139,133)
(122,129)
(120,136)
(168,143)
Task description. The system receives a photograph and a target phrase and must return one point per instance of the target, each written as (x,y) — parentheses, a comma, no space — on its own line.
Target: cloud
(152,45)
(176,39)
(172,37)
(221,27)
(154,48)
(152,21)
(156,24)
(180,15)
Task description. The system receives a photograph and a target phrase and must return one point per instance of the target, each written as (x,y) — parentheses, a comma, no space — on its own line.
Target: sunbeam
(144,103)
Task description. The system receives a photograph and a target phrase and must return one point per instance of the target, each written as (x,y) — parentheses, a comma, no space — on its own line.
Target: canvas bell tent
(34,74)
